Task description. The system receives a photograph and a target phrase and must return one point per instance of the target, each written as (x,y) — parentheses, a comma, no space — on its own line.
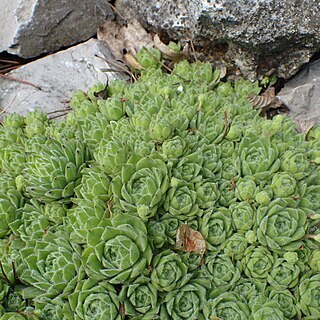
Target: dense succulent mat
(90,206)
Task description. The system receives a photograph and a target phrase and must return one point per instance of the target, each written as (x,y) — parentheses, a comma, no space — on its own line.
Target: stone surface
(29,28)
(302,94)
(57,75)
(255,37)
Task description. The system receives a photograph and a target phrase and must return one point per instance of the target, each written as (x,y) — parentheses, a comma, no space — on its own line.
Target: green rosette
(286,301)
(53,309)
(111,155)
(257,262)
(245,189)
(295,163)
(258,157)
(280,227)
(95,300)
(221,271)
(94,184)
(227,306)
(283,185)
(140,299)
(54,172)
(84,216)
(119,252)
(168,271)
(51,265)
(188,168)
(181,200)
(243,216)
(186,302)
(141,186)
(235,246)
(216,227)
(308,295)
(269,310)
(207,193)
(31,223)
(10,202)
(285,272)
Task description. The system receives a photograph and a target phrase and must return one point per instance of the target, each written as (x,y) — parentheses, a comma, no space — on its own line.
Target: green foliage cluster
(90,206)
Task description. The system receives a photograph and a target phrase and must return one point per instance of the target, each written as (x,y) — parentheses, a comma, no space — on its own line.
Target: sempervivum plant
(54,172)
(167,198)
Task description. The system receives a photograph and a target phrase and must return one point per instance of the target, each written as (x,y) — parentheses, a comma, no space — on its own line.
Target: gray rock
(255,36)
(58,75)
(29,28)
(302,94)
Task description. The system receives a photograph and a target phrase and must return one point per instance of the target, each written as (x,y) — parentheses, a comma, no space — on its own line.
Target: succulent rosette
(142,185)
(311,198)
(216,227)
(227,306)
(31,223)
(51,309)
(13,159)
(248,289)
(257,262)
(94,184)
(10,202)
(285,272)
(270,310)
(283,185)
(286,301)
(112,108)
(140,298)
(181,200)
(157,233)
(55,212)
(53,173)
(171,225)
(258,157)
(84,216)
(186,302)
(245,189)
(221,271)
(111,155)
(119,252)
(52,265)
(295,163)
(212,165)
(280,227)
(235,246)
(207,193)
(173,148)
(95,300)
(308,295)
(188,168)
(168,271)
(227,193)
(243,216)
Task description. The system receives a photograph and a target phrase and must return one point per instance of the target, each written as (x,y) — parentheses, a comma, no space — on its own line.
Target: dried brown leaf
(132,62)
(167,53)
(189,240)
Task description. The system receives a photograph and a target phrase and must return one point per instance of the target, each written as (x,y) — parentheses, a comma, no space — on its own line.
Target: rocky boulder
(29,28)
(255,37)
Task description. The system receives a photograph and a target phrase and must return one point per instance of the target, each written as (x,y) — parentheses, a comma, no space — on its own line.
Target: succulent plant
(119,252)
(52,265)
(96,300)
(167,198)
(53,173)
